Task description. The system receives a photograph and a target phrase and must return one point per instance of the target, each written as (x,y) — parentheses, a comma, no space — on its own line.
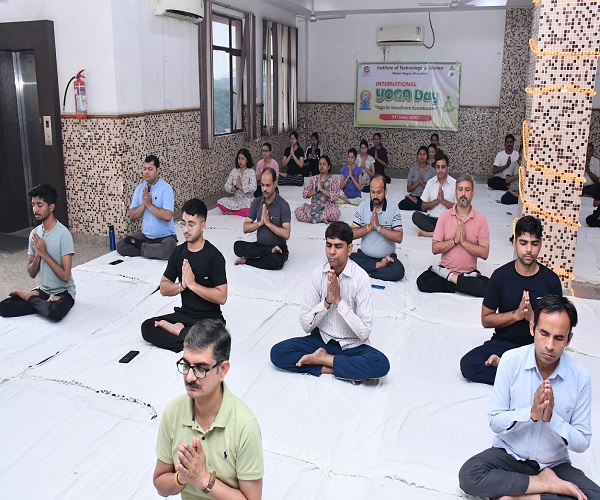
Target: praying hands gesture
(543,402)
(238,183)
(440,196)
(374,220)
(264,218)
(333,288)
(459,236)
(146,197)
(187,275)
(525,311)
(192,464)
(39,245)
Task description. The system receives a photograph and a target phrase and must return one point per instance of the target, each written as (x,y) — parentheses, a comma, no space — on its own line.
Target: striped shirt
(349,323)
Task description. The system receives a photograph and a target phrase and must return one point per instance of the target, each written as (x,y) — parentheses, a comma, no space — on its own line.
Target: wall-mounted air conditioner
(185,10)
(399,35)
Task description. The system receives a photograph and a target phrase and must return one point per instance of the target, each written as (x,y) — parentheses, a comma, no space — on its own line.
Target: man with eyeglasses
(196,271)
(270,216)
(153,202)
(209,442)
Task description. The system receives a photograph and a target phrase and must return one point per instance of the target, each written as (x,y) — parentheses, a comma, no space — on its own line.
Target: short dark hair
(353,151)
(556,304)
(294,133)
(339,230)
(315,135)
(435,135)
(432,145)
(424,148)
(44,191)
(365,142)
(529,224)
(510,136)
(195,207)
(211,333)
(268,144)
(247,155)
(377,134)
(379,176)
(326,158)
(270,171)
(153,159)
(443,157)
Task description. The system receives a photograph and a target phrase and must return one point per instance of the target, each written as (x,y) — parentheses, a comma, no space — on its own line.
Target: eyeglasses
(184,367)
(182,224)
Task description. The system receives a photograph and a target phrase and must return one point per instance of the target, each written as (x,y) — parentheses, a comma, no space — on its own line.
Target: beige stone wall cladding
(104,159)
(558,122)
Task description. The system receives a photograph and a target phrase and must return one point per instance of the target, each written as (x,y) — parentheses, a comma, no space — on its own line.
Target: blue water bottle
(111,238)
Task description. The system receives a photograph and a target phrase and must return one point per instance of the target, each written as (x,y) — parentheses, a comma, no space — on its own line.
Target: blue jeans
(357,363)
(472,364)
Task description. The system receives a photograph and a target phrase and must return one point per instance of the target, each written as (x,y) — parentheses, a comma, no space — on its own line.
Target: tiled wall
(104,159)
(558,122)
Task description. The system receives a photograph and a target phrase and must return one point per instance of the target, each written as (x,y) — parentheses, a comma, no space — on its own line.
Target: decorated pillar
(564,47)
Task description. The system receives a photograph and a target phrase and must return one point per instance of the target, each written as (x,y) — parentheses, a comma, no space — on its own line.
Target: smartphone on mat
(129,356)
(115,262)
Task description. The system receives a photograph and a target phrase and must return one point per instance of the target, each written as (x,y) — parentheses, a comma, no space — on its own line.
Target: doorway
(30,127)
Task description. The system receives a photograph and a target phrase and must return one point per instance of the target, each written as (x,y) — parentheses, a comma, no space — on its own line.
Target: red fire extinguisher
(80,100)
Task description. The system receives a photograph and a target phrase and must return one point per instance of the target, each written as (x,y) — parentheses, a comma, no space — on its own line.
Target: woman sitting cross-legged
(323,190)
(242,183)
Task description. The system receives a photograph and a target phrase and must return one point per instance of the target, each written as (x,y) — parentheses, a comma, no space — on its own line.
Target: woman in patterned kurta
(242,183)
(323,190)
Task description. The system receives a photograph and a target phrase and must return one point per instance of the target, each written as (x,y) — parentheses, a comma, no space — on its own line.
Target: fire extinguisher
(80,99)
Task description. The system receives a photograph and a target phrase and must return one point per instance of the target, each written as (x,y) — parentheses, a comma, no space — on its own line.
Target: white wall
(473,39)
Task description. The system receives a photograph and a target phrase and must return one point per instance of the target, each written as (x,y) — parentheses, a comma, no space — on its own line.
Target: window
(280,77)
(227,74)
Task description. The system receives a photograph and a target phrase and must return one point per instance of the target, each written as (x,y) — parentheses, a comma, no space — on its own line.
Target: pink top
(261,165)
(477,232)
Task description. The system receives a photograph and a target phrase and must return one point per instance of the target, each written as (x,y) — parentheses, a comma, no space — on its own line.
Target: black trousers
(261,256)
(165,340)
(407,204)
(424,222)
(509,199)
(497,183)
(430,282)
(594,219)
(16,306)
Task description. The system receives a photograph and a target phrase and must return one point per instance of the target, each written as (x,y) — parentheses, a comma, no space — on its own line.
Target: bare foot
(493,360)
(239,261)
(23,294)
(174,328)
(276,249)
(559,486)
(319,357)
(385,261)
(425,234)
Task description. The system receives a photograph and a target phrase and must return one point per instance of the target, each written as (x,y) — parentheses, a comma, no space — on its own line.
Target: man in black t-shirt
(196,270)
(270,216)
(510,300)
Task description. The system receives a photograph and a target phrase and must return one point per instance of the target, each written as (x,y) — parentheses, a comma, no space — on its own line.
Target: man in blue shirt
(541,409)
(153,202)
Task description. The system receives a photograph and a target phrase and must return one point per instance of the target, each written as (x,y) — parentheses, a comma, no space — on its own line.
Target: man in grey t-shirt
(379,224)
(51,252)
(270,216)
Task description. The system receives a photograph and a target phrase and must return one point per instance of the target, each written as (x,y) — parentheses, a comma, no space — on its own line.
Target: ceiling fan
(313,17)
(452,4)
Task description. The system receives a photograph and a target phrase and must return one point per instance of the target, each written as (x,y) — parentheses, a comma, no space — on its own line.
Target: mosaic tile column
(564,51)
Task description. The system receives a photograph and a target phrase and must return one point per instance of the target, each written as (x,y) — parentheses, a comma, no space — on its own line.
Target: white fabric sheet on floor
(88,424)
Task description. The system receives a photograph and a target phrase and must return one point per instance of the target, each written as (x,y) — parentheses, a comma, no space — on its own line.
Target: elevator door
(20,138)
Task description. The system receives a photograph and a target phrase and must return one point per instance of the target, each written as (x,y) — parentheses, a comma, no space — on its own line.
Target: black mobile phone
(115,262)
(129,356)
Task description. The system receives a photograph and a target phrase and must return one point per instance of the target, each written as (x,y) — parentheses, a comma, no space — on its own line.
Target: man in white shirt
(502,162)
(337,312)
(592,173)
(541,408)
(438,195)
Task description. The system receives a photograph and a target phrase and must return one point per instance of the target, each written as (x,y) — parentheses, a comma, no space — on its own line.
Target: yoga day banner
(407,95)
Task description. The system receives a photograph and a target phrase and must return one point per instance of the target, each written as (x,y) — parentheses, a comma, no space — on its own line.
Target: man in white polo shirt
(439,194)
(379,224)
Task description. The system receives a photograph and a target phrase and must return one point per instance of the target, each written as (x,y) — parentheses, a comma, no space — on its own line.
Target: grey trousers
(160,248)
(494,473)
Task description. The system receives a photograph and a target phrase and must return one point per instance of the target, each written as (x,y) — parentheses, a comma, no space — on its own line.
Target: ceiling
(358,7)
